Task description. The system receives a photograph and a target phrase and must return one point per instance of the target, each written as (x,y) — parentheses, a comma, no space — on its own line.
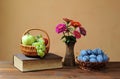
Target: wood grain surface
(8,71)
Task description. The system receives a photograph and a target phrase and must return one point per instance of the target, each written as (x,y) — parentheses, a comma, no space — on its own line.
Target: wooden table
(7,71)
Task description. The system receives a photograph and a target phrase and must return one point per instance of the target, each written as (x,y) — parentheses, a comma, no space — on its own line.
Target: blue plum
(89,51)
(83,52)
(80,58)
(99,58)
(92,56)
(85,58)
(93,60)
(105,57)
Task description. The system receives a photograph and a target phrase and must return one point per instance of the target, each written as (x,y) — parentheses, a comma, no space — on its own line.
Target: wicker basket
(91,66)
(31,50)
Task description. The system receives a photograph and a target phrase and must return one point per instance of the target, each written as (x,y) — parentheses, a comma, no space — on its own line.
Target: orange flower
(75,24)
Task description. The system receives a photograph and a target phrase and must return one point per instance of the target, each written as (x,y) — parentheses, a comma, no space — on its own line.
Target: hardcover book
(24,63)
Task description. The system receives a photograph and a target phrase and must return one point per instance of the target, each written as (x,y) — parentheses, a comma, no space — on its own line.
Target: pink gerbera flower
(60,28)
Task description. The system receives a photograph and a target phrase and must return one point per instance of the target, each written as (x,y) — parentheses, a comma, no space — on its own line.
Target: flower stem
(68,33)
(64,33)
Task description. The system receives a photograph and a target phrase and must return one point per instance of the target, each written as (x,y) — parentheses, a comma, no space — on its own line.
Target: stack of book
(24,63)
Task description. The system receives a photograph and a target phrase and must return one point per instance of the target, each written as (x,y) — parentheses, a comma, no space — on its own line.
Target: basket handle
(48,45)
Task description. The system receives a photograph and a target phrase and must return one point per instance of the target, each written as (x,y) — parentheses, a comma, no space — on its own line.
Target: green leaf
(70,39)
(62,37)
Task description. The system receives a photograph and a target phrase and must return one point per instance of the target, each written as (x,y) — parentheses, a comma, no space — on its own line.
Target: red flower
(77,34)
(67,20)
(82,31)
(75,24)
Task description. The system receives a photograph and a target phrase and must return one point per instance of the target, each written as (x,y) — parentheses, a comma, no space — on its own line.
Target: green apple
(28,39)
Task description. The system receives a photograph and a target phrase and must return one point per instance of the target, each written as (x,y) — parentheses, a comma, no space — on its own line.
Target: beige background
(101,18)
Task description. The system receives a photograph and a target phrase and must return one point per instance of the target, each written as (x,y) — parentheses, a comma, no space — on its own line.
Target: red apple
(46,41)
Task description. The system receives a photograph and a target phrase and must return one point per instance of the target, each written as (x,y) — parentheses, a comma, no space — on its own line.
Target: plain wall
(101,18)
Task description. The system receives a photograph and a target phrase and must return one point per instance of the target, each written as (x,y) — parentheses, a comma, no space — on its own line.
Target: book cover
(24,63)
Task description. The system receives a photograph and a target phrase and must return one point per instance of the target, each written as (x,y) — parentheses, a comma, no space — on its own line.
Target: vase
(69,59)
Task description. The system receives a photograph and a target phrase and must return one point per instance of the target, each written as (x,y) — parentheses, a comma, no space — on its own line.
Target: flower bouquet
(71,30)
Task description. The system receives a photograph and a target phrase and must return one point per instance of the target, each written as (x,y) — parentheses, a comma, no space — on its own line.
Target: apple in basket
(46,41)
(28,39)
